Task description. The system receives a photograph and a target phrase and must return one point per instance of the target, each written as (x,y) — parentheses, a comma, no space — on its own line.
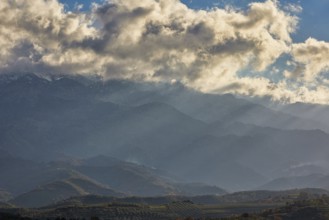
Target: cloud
(31,31)
(311,60)
(158,40)
(293,8)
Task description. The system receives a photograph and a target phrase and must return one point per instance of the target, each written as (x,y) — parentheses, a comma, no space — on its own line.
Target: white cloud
(311,60)
(293,8)
(30,30)
(159,40)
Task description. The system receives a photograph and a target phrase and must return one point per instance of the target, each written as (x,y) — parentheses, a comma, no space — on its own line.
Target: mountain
(130,178)
(219,157)
(316,112)
(56,191)
(4,205)
(281,152)
(293,182)
(139,180)
(207,107)
(306,202)
(38,113)
(198,189)
(45,118)
(20,175)
(72,189)
(218,140)
(4,195)
(246,197)
(39,184)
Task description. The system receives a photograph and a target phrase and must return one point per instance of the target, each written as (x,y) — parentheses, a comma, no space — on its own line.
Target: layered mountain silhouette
(56,191)
(39,184)
(156,139)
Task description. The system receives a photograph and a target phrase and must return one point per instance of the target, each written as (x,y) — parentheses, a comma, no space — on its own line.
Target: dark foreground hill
(285,204)
(317,209)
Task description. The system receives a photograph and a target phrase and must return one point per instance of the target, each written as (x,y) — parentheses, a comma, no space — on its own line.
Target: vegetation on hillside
(305,207)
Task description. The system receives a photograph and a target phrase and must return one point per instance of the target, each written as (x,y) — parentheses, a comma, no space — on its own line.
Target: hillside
(56,191)
(313,180)
(298,210)
(49,183)
(246,197)
(4,195)
(242,205)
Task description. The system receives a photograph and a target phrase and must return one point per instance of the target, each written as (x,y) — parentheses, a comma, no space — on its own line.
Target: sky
(269,48)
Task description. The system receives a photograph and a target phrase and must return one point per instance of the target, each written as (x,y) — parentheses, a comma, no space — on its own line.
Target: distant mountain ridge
(258,196)
(216,140)
(45,184)
(59,190)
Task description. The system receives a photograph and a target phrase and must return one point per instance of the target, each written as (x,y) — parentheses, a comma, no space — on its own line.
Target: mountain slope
(56,191)
(98,175)
(285,183)
(293,182)
(315,112)
(207,107)
(139,180)
(44,119)
(4,195)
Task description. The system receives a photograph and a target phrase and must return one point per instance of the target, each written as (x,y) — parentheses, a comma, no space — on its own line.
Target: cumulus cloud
(158,40)
(311,60)
(32,30)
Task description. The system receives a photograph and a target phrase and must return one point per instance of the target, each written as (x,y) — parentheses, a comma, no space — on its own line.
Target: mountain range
(155,139)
